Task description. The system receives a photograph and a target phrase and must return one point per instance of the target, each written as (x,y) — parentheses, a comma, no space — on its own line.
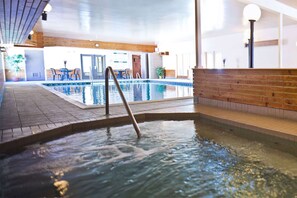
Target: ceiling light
(48,8)
(30,35)
(2,49)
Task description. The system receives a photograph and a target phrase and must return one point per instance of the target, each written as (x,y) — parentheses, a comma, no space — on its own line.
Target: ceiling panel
(17,19)
(292,3)
(130,21)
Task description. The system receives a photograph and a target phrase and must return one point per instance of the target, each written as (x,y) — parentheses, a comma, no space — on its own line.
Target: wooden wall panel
(275,88)
(169,73)
(36,41)
(40,41)
(56,41)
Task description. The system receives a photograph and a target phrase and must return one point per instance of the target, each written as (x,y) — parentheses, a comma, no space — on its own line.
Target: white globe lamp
(252,12)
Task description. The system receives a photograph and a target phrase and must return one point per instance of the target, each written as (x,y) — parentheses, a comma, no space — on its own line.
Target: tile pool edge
(72,128)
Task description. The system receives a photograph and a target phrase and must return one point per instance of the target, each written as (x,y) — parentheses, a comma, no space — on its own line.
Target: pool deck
(28,109)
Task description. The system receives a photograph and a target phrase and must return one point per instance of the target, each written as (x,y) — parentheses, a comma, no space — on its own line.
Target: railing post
(107,70)
(106,92)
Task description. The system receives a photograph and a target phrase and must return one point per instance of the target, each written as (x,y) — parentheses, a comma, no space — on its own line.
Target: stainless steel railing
(137,75)
(107,70)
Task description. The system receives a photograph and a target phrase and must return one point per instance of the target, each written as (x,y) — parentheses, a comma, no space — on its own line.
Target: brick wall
(264,91)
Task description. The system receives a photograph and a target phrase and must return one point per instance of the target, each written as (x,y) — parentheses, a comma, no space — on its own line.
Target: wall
(181,58)
(232,49)
(10,74)
(265,91)
(1,78)
(54,57)
(154,61)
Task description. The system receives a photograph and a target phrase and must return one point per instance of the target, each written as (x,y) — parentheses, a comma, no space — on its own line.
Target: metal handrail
(107,70)
(137,75)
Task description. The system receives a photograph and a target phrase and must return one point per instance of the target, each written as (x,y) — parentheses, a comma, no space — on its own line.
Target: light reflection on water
(172,159)
(92,94)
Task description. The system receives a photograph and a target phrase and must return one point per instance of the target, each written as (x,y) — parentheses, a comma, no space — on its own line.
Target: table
(120,73)
(65,74)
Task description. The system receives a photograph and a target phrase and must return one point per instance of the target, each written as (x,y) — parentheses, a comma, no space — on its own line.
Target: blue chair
(76,74)
(54,74)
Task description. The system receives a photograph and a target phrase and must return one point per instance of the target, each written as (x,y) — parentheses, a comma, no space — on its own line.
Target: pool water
(94,94)
(172,159)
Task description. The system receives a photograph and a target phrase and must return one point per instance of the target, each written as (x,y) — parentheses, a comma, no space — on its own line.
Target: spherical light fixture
(252,12)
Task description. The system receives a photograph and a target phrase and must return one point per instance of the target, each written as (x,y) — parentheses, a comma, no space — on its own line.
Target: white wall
(232,49)
(154,61)
(181,57)
(54,57)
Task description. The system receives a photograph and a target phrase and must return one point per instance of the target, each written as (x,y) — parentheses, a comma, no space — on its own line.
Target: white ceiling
(147,22)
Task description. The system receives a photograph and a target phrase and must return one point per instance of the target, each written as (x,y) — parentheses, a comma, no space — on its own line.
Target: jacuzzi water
(172,159)
(134,91)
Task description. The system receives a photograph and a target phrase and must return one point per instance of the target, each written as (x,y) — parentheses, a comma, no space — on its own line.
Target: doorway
(136,65)
(34,65)
(92,66)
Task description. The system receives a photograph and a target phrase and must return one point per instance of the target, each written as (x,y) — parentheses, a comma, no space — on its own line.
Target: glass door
(99,66)
(93,66)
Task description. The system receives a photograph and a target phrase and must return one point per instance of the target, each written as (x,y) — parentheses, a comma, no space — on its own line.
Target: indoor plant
(14,62)
(160,72)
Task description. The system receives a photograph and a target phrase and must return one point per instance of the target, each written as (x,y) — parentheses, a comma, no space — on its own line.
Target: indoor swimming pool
(134,91)
(192,158)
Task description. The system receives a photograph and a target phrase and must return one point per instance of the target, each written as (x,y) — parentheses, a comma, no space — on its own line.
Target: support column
(280,41)
(198,34)
(251,44)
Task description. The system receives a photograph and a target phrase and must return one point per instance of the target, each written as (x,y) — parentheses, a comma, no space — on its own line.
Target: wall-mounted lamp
(252,13)
(47,9)
(96,45)
(2,49)
(30,35)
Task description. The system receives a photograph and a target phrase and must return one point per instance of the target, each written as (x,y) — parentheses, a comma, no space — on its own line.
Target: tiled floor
(28,109)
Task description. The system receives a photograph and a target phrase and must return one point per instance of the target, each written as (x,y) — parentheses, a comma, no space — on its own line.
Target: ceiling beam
(275,6)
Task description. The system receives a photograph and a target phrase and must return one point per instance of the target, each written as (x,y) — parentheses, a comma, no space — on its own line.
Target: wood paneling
(56,41)
(264,43)
(40,41)
(276,88)
(36,41)
(169,73)
(17,19)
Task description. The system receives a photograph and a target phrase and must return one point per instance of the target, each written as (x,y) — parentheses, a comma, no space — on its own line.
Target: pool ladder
(132,118)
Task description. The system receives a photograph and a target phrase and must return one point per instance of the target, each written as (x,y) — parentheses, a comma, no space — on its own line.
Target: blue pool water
(94,94)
